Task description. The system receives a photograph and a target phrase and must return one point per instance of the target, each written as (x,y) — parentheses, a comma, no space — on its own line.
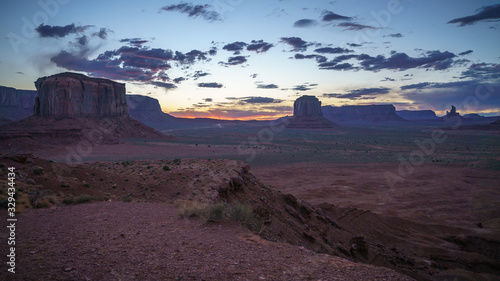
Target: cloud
(259,46)
(179,80)
(199,74)
(45,31)
(365,93)
(84,40)
(163,85)
(128,63)
(465,53)
(194,11)
(318,58)
(331,16)
(136,42)
(234,61)
(356,26)
(102,33)
(436,60)
(297,43)
(388,79)
(254,100)
(394,35)
(305,23)
(267,86)
(235,47)
(330,95)
(329,50)
(208,100)
(491,13)
(483,71)
(210,85)
(354,45)
(302,88)
(462,94)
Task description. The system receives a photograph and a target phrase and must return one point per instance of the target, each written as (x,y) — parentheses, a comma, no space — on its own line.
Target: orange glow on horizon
(261,117)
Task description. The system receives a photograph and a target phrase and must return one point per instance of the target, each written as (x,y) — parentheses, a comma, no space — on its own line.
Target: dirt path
(148,241)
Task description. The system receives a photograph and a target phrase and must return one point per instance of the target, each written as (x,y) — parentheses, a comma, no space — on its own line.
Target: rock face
(417,114)
(74,108)
(147,110)
(361,113)
(76,95)
(16,104)
(307,114)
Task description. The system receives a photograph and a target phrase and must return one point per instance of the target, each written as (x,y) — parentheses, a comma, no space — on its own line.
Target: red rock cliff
(76,95)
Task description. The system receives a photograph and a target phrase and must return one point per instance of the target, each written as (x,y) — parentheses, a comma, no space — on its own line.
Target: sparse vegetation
(38,170)
(166,168)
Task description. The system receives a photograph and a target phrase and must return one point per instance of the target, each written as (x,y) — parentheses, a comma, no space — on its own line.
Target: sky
(242,59)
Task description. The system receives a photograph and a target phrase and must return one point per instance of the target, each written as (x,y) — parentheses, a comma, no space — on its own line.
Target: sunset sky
(242,59)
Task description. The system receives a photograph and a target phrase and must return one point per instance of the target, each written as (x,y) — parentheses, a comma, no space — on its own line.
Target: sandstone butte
(76,95)
(307,114)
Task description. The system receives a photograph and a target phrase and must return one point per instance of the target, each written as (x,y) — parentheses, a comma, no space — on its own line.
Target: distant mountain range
(18,104)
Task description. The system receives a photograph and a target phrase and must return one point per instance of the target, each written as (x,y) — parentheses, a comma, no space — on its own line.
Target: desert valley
(110,187)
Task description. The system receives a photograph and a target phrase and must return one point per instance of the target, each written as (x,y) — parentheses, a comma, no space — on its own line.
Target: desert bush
(177,161)
(166,168)
(244,214)
(83,199)
(190,208)
(215,212)
(38,170)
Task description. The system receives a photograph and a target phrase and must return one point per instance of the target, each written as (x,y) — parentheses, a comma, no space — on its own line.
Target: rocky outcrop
(452,113)
(307,114)
(74,108)
(76,95)
(361,113)
(415,115)
(148,111)
(16,104)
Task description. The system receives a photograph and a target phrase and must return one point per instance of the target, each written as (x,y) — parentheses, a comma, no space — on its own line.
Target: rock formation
(148,111)
(71,108)
(76,95)
(16,104)
(361,113)
(417,115)
(452,113)
(307,114)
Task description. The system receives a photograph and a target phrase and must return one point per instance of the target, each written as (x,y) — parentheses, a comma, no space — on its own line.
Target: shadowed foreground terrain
(310,193)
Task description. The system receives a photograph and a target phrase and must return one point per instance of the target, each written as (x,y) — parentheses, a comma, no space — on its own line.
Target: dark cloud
(331,16)
(394,35)
(488,13)
(483,71)
(210,85)
(465,53)
(305,23)
(128,63)
(179,80)
(329,50)
(356,26)
(83,41)
(102,33)
(297,43)
(203,11)
(267,86)
(330,95)
(334,66)
(208,100)
(354,45)
(234,60)
(388,79)
(259,46)
(212,51)
(163,85)
(302,88)
(365,93)
(137,42)
(436,60)
(58,31)
(253,76)
(235,47)
(318,58)
(199,74)
(254,100)
(467,96)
